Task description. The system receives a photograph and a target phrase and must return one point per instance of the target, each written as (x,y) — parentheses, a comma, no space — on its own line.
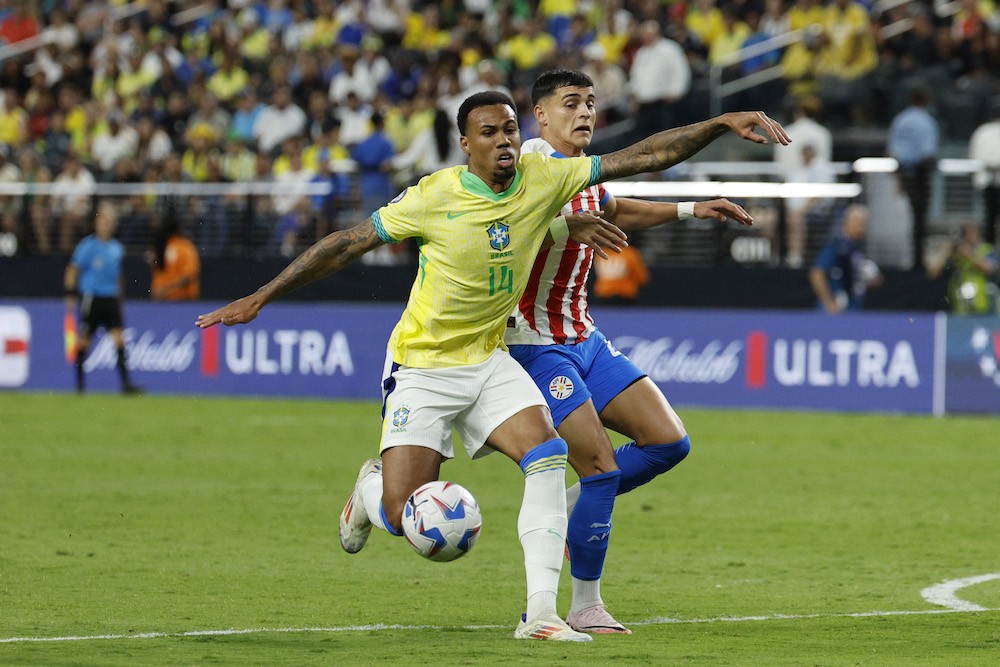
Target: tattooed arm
(669,147)
(325,257)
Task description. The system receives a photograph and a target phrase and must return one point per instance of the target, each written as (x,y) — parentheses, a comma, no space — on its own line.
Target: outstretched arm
(669,147)
(325,257)
(634,214)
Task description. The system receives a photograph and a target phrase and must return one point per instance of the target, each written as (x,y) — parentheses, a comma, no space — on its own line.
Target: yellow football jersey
(477,248)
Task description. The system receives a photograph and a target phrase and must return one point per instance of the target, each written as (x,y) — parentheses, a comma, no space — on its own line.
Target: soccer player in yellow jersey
(481,227)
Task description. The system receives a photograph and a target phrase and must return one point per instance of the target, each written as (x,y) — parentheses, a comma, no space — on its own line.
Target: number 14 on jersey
(501,279)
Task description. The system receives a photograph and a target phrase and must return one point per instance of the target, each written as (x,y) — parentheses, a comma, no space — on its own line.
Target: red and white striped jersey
(553,308)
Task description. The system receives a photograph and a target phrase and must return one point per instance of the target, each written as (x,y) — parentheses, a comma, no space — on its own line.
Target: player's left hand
(721,209)
(240,311)
(592,230)
(743,124)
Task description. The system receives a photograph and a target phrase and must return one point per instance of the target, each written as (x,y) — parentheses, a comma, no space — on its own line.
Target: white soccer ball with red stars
(441,521)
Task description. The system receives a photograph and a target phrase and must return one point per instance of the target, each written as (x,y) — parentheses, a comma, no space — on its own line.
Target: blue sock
(590,525)
(641,464)
(385,522)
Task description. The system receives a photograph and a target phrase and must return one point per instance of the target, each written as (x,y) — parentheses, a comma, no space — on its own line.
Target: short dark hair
(484,99)
(549,82)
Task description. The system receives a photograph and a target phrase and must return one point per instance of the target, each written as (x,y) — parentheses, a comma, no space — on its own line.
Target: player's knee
(587,462)
(665,457)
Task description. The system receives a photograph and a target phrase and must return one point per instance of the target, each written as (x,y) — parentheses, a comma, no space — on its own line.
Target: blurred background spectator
(972,266)
(174,263)
(842,274)
(914,142)
(620,276)
(985,145)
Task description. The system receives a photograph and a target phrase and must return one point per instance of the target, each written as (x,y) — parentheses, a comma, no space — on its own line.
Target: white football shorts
(421,406)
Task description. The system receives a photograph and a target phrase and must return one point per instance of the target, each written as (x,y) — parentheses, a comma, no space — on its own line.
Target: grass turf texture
(126,515)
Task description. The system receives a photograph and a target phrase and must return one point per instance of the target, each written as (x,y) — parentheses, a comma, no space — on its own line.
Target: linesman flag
(69,337)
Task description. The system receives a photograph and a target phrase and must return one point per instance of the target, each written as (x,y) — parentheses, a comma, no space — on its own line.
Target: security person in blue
(94,278)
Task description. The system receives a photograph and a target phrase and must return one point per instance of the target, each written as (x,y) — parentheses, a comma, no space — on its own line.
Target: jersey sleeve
(571,175)
(80,253)
(400,219)
(603,193)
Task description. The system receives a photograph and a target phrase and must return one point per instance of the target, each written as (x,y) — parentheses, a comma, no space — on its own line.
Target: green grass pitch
(133,528)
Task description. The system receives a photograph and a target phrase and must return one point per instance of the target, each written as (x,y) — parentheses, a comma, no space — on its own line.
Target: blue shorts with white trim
(570,374)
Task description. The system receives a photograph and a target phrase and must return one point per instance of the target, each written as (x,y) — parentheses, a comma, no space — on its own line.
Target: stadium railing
(252,219)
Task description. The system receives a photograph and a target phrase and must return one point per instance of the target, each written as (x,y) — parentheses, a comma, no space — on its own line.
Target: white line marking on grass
(658,620)
(943,594)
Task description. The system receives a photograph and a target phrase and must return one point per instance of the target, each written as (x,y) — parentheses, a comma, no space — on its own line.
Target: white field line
(658,620)
(942,594)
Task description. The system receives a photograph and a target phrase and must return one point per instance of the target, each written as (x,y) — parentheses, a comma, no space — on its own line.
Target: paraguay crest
(499,235)
(561,388)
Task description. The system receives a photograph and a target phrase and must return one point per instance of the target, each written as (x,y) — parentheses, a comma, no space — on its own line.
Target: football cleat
(597,621)
(355,526)
(548,626)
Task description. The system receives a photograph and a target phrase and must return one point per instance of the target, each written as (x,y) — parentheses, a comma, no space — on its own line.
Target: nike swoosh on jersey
(452,216)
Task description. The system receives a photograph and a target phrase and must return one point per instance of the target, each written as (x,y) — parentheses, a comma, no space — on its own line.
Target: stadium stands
(218,97)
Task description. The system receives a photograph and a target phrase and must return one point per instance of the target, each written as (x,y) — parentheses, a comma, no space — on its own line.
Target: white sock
(572,495)
(371,496)
(585,594)
(541,526)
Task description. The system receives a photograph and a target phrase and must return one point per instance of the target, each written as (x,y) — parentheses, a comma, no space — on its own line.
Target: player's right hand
(240,311)
(592,230)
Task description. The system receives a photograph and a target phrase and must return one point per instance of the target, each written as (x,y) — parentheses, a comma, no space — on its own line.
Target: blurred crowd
(362,94)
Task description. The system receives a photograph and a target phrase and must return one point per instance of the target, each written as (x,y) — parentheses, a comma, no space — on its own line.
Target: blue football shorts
(570,374)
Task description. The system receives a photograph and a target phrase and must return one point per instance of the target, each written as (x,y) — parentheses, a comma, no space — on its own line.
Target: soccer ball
(441,521)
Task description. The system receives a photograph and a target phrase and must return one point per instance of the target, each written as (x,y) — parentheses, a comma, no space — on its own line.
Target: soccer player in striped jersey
(587,383)
(481,227)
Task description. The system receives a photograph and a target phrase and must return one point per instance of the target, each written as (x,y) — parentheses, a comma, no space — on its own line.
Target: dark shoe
(132,389)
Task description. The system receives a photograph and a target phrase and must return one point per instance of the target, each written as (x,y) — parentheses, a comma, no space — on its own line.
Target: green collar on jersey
(477,186)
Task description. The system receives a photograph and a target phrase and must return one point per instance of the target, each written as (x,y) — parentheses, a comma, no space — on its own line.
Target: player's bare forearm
(325,257)
(665,149)
(70,277)
(662,150)
(634,214)
(818,281)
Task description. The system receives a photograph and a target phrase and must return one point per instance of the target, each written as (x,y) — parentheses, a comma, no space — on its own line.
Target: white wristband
(559,229)
(685,210)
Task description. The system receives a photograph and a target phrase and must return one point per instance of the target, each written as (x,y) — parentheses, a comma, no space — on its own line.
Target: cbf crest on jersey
(499,235)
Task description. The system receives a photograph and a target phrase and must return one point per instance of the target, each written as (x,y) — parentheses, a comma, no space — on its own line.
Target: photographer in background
(841,274)
(973,266)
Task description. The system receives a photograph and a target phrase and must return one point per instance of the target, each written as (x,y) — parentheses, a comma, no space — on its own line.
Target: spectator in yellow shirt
(13,119)
(846,60)
(705,21)
(798,64)
(229,79)
(423,30)
(730,39)
(528,49)
(201,139)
